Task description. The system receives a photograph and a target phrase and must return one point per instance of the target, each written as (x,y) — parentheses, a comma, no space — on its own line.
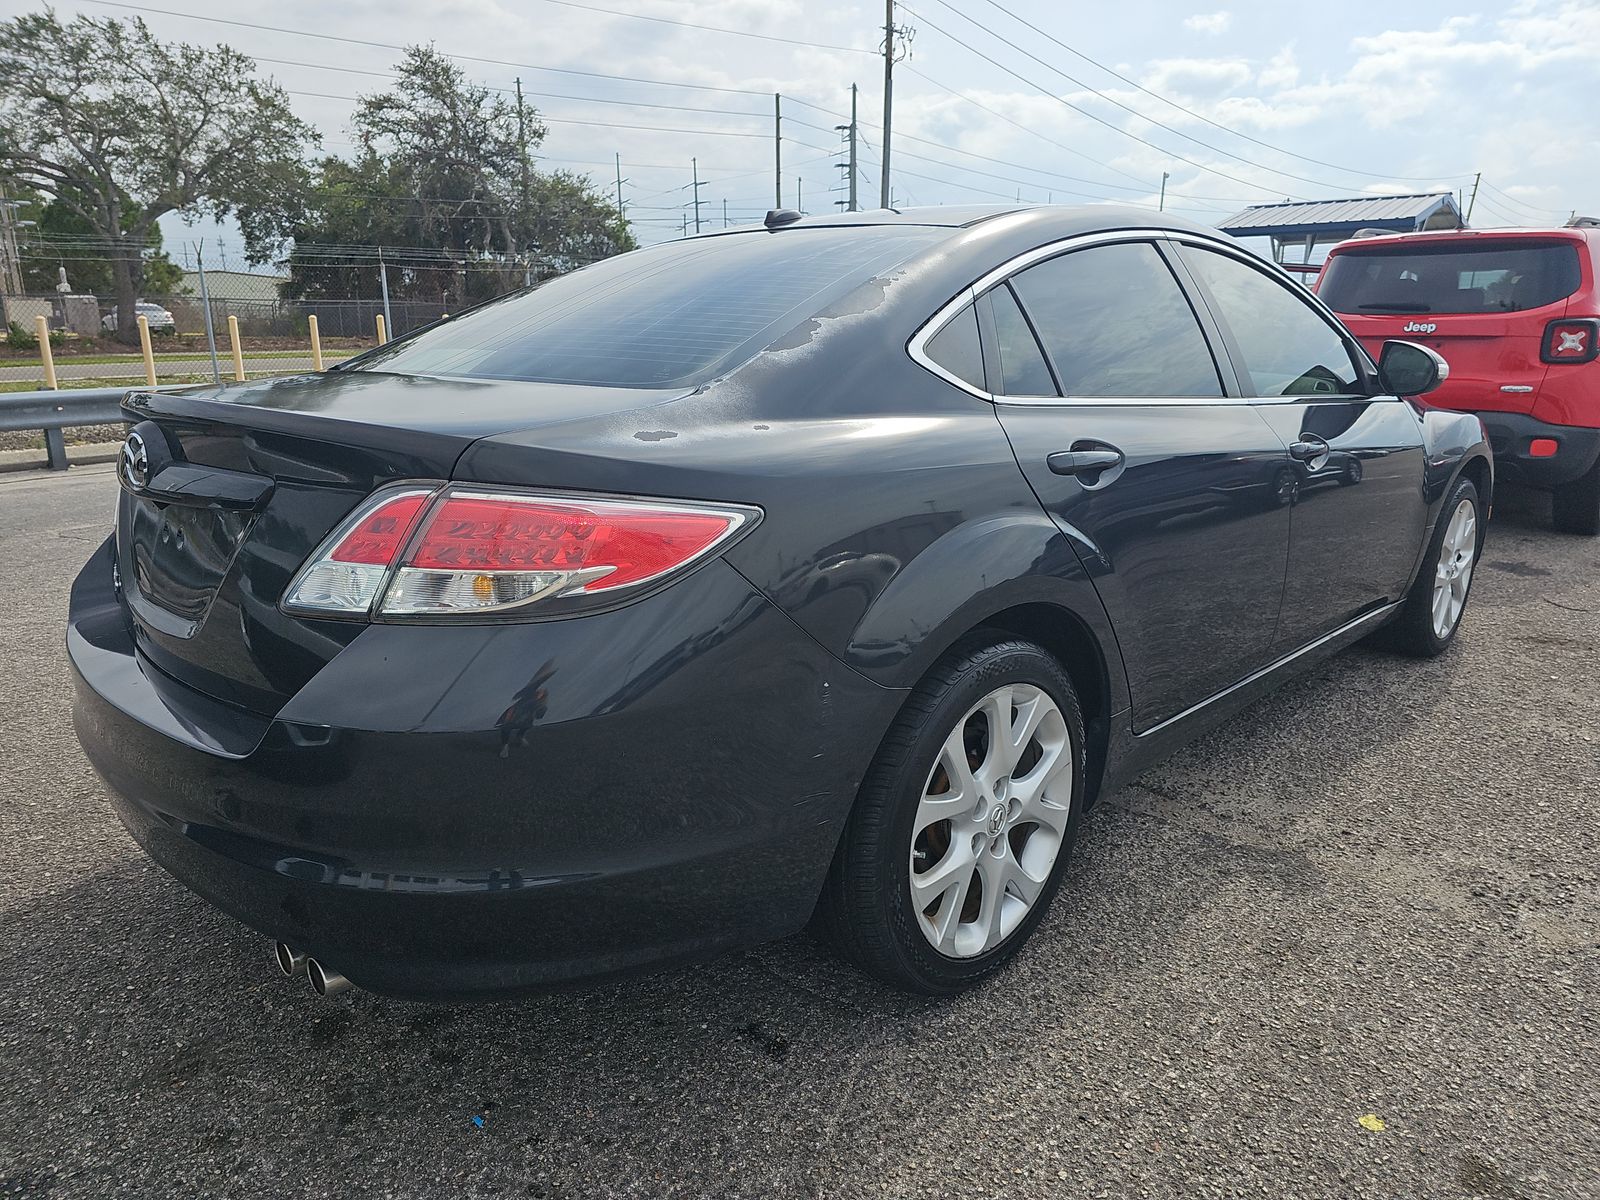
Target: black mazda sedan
(821,572)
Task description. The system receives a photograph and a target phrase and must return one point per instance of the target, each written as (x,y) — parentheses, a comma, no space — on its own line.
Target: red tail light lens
(633,542)
(463,551)
(1571,341)
(381,532)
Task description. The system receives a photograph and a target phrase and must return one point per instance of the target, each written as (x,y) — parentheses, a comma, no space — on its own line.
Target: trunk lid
(226,491)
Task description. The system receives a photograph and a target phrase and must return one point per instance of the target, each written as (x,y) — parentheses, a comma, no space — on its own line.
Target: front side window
(1289,349)
(1116,325)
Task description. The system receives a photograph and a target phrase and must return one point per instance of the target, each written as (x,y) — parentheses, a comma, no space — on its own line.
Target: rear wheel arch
(1072,642)
(1479,469)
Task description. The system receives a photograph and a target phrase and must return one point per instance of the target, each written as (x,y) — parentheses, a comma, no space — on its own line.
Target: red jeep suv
(1516,313)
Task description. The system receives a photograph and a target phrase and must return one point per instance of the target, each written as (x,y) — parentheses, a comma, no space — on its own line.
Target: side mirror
(1407,369)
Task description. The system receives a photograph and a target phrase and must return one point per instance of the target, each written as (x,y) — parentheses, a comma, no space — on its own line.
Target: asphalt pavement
(1344,947)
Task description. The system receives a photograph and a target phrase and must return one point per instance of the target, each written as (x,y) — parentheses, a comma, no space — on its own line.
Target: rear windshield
(1451,278)
(672,315)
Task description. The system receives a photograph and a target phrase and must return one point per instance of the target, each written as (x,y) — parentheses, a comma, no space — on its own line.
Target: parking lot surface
(1344,947)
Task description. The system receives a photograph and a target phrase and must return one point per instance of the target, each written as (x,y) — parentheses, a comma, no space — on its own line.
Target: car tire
(1575,506)
(1427,624)
(870,907)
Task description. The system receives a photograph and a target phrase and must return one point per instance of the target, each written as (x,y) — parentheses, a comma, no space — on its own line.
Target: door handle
(1308,449)
(1083,462)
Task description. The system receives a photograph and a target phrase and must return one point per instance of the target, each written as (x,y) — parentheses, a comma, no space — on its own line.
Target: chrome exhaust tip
(325,982)
(290,961)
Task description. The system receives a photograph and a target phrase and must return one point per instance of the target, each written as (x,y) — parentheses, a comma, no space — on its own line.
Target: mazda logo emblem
(135,461)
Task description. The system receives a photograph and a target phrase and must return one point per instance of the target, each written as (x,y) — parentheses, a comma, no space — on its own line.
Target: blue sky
(1371,97)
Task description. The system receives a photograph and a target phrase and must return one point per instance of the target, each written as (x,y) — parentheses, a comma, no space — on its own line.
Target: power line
(495,62)
(1096,118)
(1005,162)
(766,37)
(576,120)
(994,112)
(1199,116)
(1515,202)
(731,112)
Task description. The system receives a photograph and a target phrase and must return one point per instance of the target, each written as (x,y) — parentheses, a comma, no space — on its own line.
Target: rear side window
(1116,324)
(673,315)
(1452,277)
(1023,371)
(1289,348)
(958,349)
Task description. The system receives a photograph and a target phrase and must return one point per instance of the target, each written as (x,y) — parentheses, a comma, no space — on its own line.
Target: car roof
(1051,220)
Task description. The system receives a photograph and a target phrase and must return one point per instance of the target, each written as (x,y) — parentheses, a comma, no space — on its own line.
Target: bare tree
(123,129)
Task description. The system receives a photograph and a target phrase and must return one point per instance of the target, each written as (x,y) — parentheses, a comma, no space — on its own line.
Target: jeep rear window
(1452,277)
(672,315)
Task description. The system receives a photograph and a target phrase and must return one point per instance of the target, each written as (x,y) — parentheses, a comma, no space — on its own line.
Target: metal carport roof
(1337,219)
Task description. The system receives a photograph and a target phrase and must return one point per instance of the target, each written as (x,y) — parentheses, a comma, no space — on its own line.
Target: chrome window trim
(916,347)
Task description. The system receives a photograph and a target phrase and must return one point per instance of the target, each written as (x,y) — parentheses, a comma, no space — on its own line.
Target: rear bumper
(1511,434)
(461,812)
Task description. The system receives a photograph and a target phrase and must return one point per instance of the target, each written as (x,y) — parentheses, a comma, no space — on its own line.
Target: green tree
(122,129)
(61,239)
(445,181)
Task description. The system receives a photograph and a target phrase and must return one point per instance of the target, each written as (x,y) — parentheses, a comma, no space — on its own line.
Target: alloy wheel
(1458,553)
(991,820)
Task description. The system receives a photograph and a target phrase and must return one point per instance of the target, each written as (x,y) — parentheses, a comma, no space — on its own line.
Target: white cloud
(1216,22)
(1281,71)
(1189,75)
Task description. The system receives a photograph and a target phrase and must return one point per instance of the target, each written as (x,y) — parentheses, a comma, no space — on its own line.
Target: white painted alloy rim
(1458,553)
(991,820)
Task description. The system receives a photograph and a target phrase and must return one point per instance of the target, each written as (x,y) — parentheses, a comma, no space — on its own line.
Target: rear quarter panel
(896,516)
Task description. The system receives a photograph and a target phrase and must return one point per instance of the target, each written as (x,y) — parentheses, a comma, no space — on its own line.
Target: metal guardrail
(53,411)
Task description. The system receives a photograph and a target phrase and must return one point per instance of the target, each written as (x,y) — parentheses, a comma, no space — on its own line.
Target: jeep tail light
(462,551)
(1575,340)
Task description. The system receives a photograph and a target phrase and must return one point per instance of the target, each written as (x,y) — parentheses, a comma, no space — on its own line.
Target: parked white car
(159,318)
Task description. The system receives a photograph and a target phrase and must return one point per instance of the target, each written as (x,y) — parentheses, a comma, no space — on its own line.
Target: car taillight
(348,571)
(1576,340)
(459,551)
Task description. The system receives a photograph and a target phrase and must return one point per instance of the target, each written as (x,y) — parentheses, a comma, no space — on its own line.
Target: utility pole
(205,299)
(621,211)
(1476,180)
(798,206)
(888,97)
(522,149)
(694,168)
(849,167)
(777,150)
(1162,206)
(724,212)
(685,231)
(10,256)
(383,282)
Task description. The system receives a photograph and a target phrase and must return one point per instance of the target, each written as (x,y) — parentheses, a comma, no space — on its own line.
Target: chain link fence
(320,302)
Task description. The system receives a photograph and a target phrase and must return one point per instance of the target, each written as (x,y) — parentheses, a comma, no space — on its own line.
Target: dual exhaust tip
(323,981)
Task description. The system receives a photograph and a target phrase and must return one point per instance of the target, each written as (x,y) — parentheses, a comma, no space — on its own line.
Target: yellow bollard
(149,354)
(444,316)
(41,329)
(316,344)
(383,332)
(238,355)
